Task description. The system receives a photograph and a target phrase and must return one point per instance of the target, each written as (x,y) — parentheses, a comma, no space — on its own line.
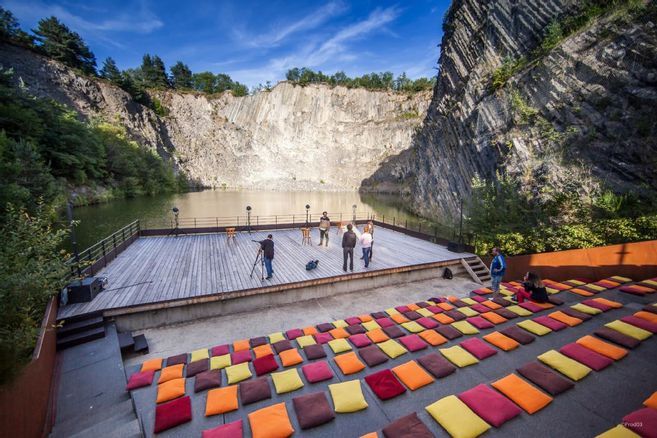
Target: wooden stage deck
(161,269)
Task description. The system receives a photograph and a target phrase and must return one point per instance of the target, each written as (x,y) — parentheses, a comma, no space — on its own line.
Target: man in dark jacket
(349,240)
(267,247)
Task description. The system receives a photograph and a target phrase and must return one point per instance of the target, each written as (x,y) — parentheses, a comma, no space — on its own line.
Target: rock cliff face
(586,105)
(292,137)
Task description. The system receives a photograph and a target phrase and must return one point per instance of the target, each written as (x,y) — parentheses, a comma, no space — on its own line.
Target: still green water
(99,221)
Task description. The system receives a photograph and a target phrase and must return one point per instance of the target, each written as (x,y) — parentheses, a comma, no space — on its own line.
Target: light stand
(248,218)
(354,213)
(307,210)
(176,229)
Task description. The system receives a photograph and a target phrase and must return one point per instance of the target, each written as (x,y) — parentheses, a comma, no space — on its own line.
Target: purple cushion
(544,377)
(384,384)
(550,323)
(355,329)
(207,380)
(228,430)
(641,323)
(240,357)
(353,320)
(480,322)
(256,342)
(449,332)
(385,322)
(576,314)
(422,304)
(360,340)
(427,323)
(402,309)
(378,315)
(323,338)
(412,315)
(325,327)
(393,331)
(519,335)
(617,337)
(478,348)
(437,365)
(506,313)
(372,355)
(532,307)
(172,414)
(293,334)
(220,350)
(315,351)
(196,367)
(490,405)
(435,309)
(583,355)
(480,308)
(265,364)
(407,426)
(413,342)
(140,379)
(176,360)
(597,305)
(555,300)
(255,390)
(455,315)
(502,301)
(312,410)
(643,422)
(282,345)
(317,372)
(459,303)
(478,298)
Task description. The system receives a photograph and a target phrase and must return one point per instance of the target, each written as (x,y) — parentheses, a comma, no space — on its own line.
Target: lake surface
(99,221)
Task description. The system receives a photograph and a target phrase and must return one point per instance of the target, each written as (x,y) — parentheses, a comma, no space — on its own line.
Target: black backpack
(311,265)
(447,274)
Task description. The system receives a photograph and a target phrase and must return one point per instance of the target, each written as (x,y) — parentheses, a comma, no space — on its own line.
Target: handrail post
(104,255)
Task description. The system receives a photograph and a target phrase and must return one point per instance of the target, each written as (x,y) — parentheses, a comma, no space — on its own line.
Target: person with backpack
(349,240)
(324,227)
(497,270)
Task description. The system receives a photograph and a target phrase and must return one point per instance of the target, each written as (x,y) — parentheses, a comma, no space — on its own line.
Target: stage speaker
(85,290)
(455,247)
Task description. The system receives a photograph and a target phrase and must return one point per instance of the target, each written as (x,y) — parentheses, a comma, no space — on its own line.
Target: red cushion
(435,309)
(385,322)
(413,342)
(384,384)
(583,355)
(550,323)
(479,298)
(631,290)
(597,305)
(173,413)
(220,350)
(532,307)
(427,323)
(353,320)
(482,291)
(317,372)
(360,340)
(641,323)
(643,422)
(323,338)
(490,405)
(478,348)
(265,364)
(140,379)
(402,309)
(293,334)
(240,357)
(480,308)
(480,322)
(228,430)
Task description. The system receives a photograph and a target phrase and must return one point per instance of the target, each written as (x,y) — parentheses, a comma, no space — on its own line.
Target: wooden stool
(230,234)
(305,233)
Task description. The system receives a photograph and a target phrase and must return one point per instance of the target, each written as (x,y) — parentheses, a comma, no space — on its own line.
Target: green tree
(181,76)
(10,29)
(239,89)
(60,43)
(111,72)
(222,82)
(204,82)
(153,72)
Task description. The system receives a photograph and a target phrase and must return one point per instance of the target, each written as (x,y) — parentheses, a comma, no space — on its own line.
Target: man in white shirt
(366,243)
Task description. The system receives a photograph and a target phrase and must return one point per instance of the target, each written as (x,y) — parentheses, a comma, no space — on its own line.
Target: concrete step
(111,427)
(71,328)
(80,338)
(85,420)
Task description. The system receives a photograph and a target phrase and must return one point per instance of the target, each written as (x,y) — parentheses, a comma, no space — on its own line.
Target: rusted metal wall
(25,403)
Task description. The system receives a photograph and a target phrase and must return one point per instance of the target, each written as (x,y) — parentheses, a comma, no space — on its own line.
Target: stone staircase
(91,399)
(477,269)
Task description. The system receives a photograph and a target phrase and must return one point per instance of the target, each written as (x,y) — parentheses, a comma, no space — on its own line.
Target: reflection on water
(98,221)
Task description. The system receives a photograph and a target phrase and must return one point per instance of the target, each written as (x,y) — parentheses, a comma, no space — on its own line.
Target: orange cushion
(398,318)
(377,335)
(602,347)
(290,357)
(651,402)
(169,390)
(152,364)
(543,305)
(443,319)
(433,337)
(349,363)
(241,345)
(339,333)
(170,373)
(501,341)
(412,375)
(365,318)
(491,305)
(522,393)
(652,317)
(494,317)
(271,422)
(610,303)
(262,351)
(221,400)
(310,330)
(370,435)
(451,298)
(445,306)
(566,319)
(581,292)
(413,306)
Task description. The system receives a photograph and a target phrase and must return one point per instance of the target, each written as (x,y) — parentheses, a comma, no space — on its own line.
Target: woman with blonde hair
(533,289)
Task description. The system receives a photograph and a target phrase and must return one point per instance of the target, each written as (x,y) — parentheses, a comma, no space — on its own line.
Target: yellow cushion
(619,431)
(347,396)
(534,327)
(392,311)
(469,301)
(596,287)
(199,355)
(424,312)
(287,381)
(629,330)
(237,373)
(371,325)
(220,362)
(619,279)
(221,400)
(339,345)
(170,373)
(305,341)
(468,311)
(413,327)
(457,418)
(586,309)
(519,310)
(152,364)
(169,390)
(340,323)
(459,356)
(465,327)
(392,348)
(275,337)
(565,365)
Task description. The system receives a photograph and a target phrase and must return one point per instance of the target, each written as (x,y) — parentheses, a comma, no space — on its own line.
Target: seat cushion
(448,332)
(152,365)
(355,329)
(220,350)
(601,347)
(305,341)
(393,332)
(325,327)
(501,341)
(493,318)
(550,323)
(241,345)
(413,342)
(293,334)
(372,355)
(522,393)
(437,365)
(565,365)
(207,380)
(586,309)
(585,356)
(617,337)
(241,357)
(317,372)
(597,305)
(412,375)
(651,402)
(290,357)
(238,373)
(256,342)
(545,378)
(252,391)
(349,363)
(407,426)
(392,348)
(457,418)
(271,422)
(339,345)
(287,381)
(534,327)
(263,350)
(456,315)
(641,323)
(176,360)
(480,322)
(505,313)
(221,400)
(478,348)
(465,327)
(360,340)
(432,337)
(313,352)
(323,338)
(459,356)
(282,345)
(518,334)
(531,306)
(220,362)
(642,422)
(427,323)
(490,405)
(228,430)
(312,410)
(384,384)
(172,414)
(140,379)
(413,327)
(520,311)
(171,389)
(348,396)
(371,325)
(576,314)
(629,330)
(196,367)
(264,365)
(385,322)
(565,319)
(338,333)
(377,335)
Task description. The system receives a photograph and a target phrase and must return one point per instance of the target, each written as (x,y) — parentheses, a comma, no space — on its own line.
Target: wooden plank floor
(155,269)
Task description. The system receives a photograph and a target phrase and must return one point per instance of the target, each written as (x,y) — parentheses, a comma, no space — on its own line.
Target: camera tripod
(176,229)
(261,259)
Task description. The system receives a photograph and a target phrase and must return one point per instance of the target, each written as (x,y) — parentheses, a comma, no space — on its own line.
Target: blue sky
(255,41)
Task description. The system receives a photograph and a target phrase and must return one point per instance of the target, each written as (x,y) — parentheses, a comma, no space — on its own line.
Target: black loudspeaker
(85,290)
(456,247)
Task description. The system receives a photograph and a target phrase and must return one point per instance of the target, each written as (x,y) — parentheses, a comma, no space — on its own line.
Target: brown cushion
(436,365)
(518,335)
(617,337)
(325,327)
(254,390)
(312,410)
(455,315)
(255,342)
(506,313)
(176,360)
(412,315)
(282,345)
(393,332)
(315,351)
(377,315)
(407,426)
(501,301)
(372,355)
(448,331)
(577,314)
(544,377)
(197,367)
(355,329)
(207,380)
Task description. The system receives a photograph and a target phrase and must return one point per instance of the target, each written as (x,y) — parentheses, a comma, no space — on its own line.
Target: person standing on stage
(370,227)
(324,227)
(366,243)
(497,270)
(348,244)
(267,247)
